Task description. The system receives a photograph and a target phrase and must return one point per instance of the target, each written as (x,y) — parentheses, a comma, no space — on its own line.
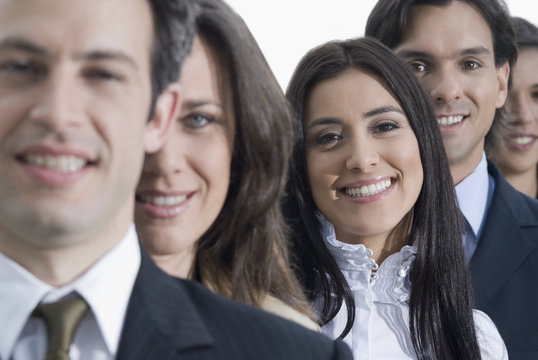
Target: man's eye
(417,67)
(20,67)
(15,66)
(102,75)
(471,65)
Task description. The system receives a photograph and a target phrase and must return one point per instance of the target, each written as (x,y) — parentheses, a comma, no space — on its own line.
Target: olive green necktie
(62,318)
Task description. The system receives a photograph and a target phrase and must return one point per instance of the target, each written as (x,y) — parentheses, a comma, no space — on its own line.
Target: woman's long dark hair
(441,301)
(244,254)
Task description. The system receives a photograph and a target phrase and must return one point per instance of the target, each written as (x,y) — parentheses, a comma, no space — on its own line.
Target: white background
(287,29)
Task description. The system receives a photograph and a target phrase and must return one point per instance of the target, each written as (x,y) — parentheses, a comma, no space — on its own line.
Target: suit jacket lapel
(161,319)
(497,257)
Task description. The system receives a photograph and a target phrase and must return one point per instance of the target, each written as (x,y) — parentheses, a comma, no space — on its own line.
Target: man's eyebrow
(12,43)
(479,50)
(98,55)
(382,110)
(323,121)
(19,44)
(413,54)
(405,53)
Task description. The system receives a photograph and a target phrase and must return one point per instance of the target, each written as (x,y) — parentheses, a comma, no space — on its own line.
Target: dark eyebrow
(323,121)
(479,50)
(104,55)
(12,43)
(382,110)
(22,45)
(196,103)
(374,112)
(413,54)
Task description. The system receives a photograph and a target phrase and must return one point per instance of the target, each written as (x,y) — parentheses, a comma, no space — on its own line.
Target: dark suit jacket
(504,268)
(169,318)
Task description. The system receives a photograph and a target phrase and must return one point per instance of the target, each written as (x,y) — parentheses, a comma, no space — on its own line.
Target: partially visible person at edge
(208,202)
(86,89)
(462,52)
(516,153)
(369,180)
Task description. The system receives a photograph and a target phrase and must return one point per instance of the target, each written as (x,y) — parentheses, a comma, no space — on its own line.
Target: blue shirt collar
(472,195)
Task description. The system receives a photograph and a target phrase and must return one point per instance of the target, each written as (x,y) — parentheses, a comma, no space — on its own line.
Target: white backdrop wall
(287,29)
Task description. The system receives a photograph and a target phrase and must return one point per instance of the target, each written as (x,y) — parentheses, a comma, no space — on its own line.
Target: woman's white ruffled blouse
(381,293)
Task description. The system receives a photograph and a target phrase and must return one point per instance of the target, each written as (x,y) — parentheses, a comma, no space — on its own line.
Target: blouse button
(402,273)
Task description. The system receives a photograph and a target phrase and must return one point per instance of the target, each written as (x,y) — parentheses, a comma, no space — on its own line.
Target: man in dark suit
(78,82)
(175,317)
(462,52)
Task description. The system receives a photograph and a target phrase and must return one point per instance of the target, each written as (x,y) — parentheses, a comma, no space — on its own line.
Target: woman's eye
(330,138)
(197,120)
(385,127)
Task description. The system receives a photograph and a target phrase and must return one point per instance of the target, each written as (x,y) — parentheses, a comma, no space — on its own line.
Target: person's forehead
(524,70)
(450,28)
(347,87)
(79,25)
(528,54)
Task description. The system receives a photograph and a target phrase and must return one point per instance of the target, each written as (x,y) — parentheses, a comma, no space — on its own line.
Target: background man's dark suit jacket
(504,268)
(169,318)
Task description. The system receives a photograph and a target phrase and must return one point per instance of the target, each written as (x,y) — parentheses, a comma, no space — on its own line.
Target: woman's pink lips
(371,198)
(163,211)
(366,182)
(142,193)
(521,147)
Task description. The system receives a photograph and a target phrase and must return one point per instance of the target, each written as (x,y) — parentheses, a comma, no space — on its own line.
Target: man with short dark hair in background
(462,50)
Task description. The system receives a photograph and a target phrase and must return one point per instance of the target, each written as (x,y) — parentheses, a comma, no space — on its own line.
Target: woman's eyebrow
(323,121)
(382,110)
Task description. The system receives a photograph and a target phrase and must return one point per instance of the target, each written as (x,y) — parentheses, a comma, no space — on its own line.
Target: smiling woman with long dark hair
(376,229)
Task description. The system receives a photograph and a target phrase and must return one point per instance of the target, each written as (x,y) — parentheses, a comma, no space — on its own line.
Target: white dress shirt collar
(20,292)
(472,194)
(106,287)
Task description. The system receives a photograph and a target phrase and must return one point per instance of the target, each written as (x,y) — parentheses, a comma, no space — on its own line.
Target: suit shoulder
(523,208)
(260,332)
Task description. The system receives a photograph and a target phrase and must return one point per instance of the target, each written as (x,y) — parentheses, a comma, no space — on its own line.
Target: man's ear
(503,77)
(167,109)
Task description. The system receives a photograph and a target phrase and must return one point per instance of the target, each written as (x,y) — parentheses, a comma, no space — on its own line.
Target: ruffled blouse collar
(389,282)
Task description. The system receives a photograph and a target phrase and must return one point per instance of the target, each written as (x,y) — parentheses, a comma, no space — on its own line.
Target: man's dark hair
(388,22)
(173,24)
